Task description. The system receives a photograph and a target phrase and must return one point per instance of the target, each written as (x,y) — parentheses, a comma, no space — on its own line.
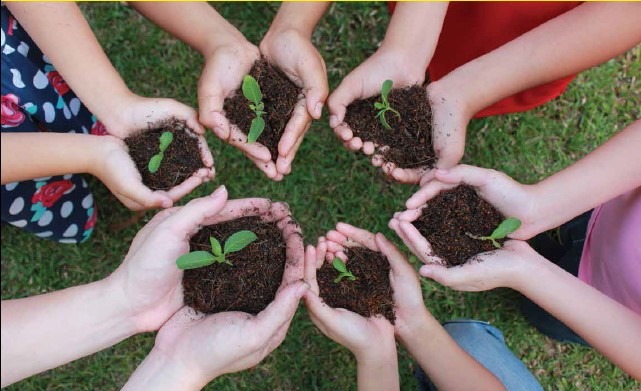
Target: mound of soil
(410,139)
(250,283)
(370,294)
(279,96)
(181,159)
(448,217)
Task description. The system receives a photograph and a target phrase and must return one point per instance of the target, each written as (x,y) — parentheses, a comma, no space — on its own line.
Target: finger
(284,163)
(343,132)
(314,77)
(378,160)
(310,268)
(359,235)
(295,129)
(347,92)
(409,215)
(254,150)
(144,232)
(426,193)
(210,109)
(280,311)
(268,168)
(441,274)
(244,207)
(407,176)
(324,314)
(449,150)
(388,167)
(368,147)
(295,250)
(321,250)
(471,175)
(278,211)
(141,197)
(188,185)
(197,212)
(354,144)
(427,177)
(205,152)
(398,262)
(218,123)
(417,243)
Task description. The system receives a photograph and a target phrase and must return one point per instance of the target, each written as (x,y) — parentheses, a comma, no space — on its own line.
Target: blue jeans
(485,343)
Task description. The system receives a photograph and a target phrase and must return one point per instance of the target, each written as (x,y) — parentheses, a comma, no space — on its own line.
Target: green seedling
(154,163)
(340,266)
(251,91)
(506,227)
(384,106)
(196,259)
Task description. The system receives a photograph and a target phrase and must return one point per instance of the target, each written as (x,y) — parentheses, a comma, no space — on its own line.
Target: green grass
(328,184)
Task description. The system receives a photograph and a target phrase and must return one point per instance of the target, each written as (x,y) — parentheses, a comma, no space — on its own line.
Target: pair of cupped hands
(296,56)
(190,345)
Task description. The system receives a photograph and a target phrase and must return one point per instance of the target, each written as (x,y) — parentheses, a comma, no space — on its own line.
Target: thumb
(210,108)
(399,265)
(445,276)
(315,87)
(343,95)
(196,212)
(280,311)
(463,173)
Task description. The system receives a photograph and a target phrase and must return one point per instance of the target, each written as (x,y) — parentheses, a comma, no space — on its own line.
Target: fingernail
(219,131)
(222,189)
(442,171)
(318,109)
(425,271)
(333,121)
(167,203)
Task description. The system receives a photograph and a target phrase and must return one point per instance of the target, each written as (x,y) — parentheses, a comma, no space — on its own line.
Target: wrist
(405,61)
(415,327)
(379,353)
(446,93)
(527,269)
(116,308)
(162,371)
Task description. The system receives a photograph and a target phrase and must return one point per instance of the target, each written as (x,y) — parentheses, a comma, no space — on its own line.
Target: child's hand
(297,57)
(223,74)
(114,167)
(133,112)
(148,279)
(504,267)
(363,82)
(342,326)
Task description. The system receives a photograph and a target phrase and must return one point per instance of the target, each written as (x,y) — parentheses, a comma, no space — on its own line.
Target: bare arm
(43,332)
(572,42)
(610,170)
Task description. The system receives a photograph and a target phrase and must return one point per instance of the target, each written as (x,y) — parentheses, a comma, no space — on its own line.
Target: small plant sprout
(340,266)
(506,227)
(384,107)
(154,163)
(196,259)
(251,91)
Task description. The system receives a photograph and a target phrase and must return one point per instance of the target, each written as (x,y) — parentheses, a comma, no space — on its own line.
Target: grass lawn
(328,185)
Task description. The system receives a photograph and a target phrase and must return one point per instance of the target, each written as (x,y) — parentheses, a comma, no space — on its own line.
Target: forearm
(36,155)
(610,170)
(160,372)
(302,17)
(379,371)
(574,41)
(414,30)
(606,325)
(197,24)
(46,331)
(64,36)
(446,364)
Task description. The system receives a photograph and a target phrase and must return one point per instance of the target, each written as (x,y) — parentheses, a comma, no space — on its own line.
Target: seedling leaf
(506,227)
(251,89)
(195,260)
(384,121)
(216,248)
(256,129)
(239,241)
(154,163)
(386,88)
(378,106)
(339,265)
(165,139)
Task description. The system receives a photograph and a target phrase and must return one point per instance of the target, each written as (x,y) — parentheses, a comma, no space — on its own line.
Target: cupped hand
(296,56)
(364,82)
(222,75)
(498,268)
(148,280)
(342,326)
(207,346)
(133,113)
(115,168)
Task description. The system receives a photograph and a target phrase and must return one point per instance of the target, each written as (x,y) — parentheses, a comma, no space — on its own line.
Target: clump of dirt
(181,159)
(448,218)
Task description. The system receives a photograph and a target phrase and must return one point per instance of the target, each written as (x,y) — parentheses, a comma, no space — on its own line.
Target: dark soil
(370,294)
(447,217)
(410,139)
(279,95)
(251,283)
(181,159)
